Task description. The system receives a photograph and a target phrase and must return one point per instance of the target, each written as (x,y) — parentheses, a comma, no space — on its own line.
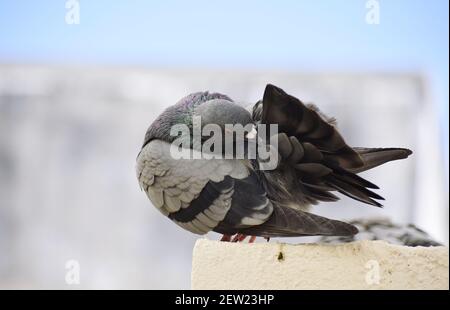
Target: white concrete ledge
(356,265)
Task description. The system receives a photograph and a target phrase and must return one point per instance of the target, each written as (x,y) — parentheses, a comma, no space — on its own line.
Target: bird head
(210,109)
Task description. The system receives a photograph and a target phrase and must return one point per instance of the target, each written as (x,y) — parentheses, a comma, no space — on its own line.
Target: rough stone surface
(356,265)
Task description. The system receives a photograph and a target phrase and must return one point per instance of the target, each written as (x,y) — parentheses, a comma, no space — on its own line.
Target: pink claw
(226,238)
(239,238)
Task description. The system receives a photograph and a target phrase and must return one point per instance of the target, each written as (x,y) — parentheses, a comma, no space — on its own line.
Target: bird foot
(226,238)
(237,238)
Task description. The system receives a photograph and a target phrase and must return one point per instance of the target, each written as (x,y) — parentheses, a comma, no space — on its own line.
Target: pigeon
(234,196)
(384,229)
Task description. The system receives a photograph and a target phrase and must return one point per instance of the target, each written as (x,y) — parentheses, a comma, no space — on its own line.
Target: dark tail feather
(373,157)
(354,191)
(287,222)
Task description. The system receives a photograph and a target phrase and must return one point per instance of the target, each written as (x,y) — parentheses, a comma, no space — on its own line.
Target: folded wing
(313,149)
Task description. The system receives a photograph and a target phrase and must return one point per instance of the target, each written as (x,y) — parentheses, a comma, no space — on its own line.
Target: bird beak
(252,134)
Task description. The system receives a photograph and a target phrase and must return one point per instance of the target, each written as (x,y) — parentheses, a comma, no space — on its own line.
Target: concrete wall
(356,265)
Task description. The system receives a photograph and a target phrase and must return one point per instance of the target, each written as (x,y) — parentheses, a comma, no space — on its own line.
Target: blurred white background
(76,100)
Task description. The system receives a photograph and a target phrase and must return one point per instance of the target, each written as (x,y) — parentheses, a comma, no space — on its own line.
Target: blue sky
(291,34)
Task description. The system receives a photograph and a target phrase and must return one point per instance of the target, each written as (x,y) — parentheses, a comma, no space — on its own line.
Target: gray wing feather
(173,184)
(288,222)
